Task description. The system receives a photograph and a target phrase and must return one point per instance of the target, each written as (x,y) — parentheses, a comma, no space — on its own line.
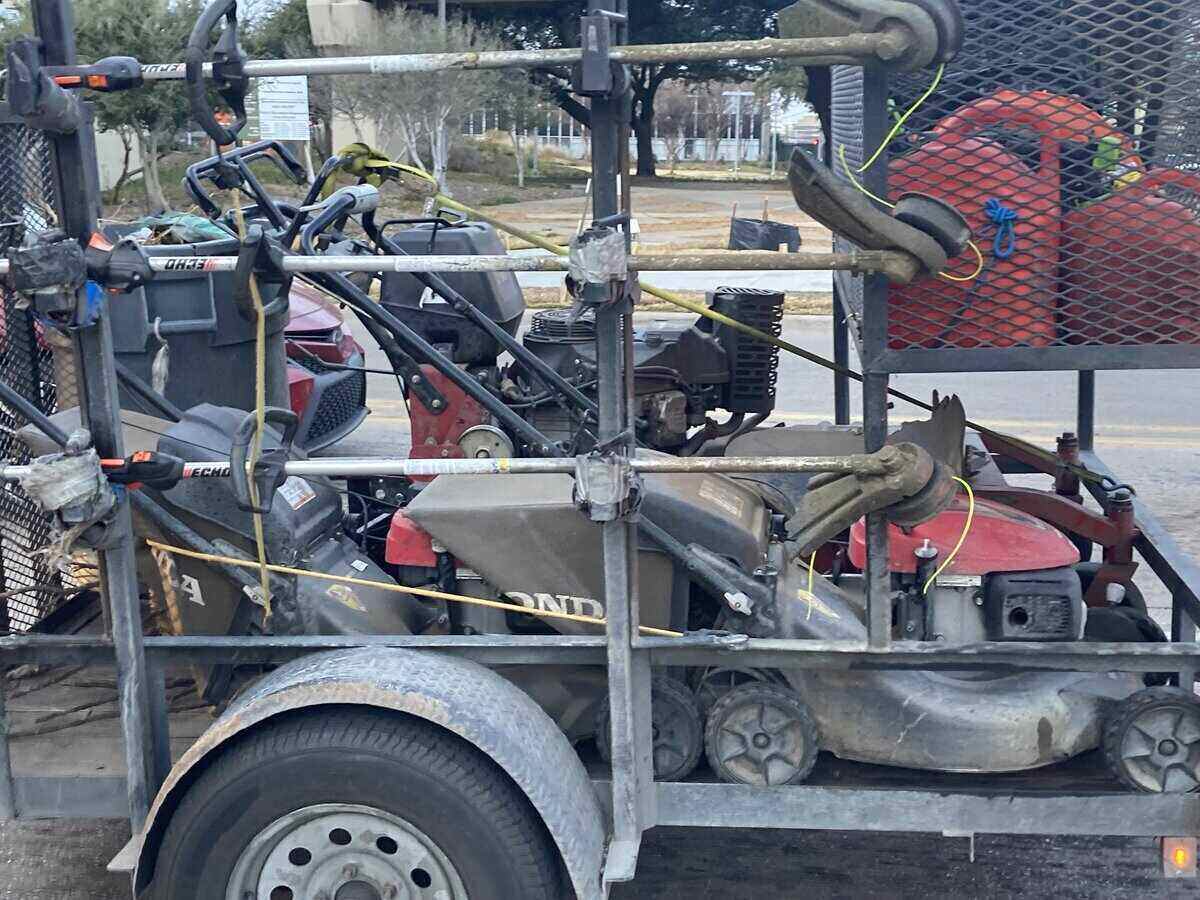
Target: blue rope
(1004,244)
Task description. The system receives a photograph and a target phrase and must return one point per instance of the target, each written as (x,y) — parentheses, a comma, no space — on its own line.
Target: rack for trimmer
(909,802)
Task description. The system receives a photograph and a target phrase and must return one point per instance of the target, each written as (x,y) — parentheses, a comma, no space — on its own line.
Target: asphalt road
(1148,431)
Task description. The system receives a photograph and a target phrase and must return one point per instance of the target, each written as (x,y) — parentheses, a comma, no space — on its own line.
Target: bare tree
(417,116)
(520,104)
(711,107)
(674,115)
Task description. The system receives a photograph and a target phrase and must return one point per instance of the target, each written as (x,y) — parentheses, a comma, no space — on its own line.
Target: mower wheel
(677,728)
(1152,741)
(713,683)
(761,734)
(338,802)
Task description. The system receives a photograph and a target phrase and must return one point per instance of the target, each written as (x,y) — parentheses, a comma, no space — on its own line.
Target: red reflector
(409,545)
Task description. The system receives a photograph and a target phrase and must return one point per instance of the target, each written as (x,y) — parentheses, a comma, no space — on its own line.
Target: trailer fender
(463,697)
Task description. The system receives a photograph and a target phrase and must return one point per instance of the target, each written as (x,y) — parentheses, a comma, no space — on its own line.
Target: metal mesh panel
(1068,133)
(26,365)
(846,129)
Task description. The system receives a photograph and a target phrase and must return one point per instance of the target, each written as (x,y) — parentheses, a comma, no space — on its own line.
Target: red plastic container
(1015,300)
(1131,265)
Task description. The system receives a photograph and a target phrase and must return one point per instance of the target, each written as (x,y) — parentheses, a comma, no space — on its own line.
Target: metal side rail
(1178,572)
(691,650)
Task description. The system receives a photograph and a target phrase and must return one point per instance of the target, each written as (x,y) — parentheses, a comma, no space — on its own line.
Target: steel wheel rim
(1161,749)
(761,744)
(343,851)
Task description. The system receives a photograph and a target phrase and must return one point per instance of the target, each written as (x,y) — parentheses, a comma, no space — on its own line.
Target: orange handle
(1051,115)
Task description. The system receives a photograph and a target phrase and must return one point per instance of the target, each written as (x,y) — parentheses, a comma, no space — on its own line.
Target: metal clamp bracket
(606,487)
(52,261)
(33,94)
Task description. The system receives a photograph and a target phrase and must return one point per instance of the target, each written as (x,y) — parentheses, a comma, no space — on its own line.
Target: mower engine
(1013,579)
(684,370)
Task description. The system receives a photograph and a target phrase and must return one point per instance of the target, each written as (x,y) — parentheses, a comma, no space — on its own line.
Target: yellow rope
(260,414)
(978,268)
(397,589)
(861,188)
(961,538)
(937,79)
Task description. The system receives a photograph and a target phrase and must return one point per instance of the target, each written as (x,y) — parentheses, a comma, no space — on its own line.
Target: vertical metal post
(878,576)
(75,180)
(875,384)
(160,724)
(442,15)
(628,670)
(8,804)
(1183,630)
(1085,419)
(841,356)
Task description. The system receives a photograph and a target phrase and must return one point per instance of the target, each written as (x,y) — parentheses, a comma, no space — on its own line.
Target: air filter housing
(753,364)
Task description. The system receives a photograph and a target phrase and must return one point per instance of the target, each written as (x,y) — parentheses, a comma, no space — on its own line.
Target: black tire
(404,766)
(678,725)
(1132,729)
(790,736)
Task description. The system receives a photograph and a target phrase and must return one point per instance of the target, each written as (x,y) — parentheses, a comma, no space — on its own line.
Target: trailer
(422,723)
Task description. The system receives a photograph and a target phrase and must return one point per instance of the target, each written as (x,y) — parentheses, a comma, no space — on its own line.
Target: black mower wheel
(761,734)
(350,803)
(713,683)
(1152,741)
(678,729)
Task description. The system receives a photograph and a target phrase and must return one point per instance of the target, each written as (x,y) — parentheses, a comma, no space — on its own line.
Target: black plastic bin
(211,343)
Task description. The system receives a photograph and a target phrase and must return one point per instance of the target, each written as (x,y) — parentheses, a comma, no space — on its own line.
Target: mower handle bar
(860,464)
(241,157)
(856,261)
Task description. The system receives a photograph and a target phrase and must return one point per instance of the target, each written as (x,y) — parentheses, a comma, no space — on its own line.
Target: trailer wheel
(1152,741)
(761,734)
(346,804)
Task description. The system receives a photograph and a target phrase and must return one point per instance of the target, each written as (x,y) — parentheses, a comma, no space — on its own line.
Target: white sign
(278,108)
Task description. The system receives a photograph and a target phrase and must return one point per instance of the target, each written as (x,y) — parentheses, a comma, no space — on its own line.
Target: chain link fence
(32,362)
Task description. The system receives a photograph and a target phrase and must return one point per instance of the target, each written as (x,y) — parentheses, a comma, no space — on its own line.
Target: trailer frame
(635,802)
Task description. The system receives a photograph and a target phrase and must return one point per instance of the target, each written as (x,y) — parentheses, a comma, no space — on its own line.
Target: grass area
(489,185)
(803,303)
